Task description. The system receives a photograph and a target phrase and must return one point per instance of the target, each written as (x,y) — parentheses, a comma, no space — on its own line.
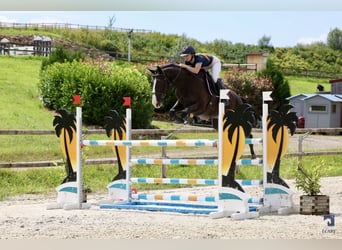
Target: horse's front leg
(185,113)
(173,112)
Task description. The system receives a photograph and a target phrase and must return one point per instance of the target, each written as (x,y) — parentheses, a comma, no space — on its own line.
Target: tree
(334,39)
(112,20)
(264,43)
(280,84)
(278,125)
(65,127)
(115,126)
(237,125)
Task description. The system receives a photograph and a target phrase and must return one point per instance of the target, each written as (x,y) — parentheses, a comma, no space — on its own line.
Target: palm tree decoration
(278,123)
(115,126)
(65,127)
(237,125)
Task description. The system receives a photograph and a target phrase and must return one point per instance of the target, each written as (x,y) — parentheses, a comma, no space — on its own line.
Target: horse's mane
(169,65)
(201,73)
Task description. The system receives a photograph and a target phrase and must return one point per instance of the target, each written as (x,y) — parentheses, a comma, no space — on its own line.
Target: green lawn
(305,85)
(19,100)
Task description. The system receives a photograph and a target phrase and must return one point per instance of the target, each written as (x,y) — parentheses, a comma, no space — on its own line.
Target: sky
(285,28)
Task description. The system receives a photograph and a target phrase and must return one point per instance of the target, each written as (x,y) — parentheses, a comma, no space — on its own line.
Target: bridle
(169,82)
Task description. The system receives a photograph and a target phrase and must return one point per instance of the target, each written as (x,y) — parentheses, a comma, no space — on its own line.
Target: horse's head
(160,83)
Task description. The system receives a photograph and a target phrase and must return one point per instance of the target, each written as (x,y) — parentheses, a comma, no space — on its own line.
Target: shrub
(280,84)
(249,86)
(102,86)
(59,54)
(307,178)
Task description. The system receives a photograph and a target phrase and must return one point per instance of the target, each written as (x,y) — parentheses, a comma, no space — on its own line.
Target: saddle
(213,89)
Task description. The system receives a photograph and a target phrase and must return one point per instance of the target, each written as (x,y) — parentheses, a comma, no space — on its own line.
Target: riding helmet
(188,50)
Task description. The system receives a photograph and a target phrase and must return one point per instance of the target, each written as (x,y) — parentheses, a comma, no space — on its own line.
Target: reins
(167,79)
(175,79)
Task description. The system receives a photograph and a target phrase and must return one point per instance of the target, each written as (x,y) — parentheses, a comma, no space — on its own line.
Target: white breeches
(215,67)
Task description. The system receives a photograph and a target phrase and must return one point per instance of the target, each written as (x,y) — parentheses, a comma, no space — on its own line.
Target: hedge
(102,86)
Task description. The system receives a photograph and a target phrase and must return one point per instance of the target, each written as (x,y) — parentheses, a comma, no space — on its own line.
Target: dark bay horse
(193,92)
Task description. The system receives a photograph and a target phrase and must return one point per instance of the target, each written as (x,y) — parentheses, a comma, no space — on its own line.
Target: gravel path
(27,217)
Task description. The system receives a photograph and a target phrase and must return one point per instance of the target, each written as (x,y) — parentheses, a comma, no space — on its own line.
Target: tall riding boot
(220,85)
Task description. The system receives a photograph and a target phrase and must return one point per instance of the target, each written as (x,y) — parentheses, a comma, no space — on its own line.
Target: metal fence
(52,26)
(311,73)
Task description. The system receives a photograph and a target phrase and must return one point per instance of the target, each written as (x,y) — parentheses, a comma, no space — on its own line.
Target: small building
(336,86)
(258,58)
(297,101)
(323,111)
(320,110)
(5,46)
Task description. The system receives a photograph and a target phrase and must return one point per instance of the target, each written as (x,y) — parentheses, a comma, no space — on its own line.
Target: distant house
(297,101)
(254,62)
(258,58)
(320,110)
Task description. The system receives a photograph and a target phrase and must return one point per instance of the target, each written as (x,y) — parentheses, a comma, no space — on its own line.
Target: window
(318,108)
(333,108)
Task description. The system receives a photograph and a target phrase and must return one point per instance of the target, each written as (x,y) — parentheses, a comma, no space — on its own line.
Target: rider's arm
(195,69)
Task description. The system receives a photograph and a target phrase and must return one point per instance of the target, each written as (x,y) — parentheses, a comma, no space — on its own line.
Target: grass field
(305,85)
(22,109)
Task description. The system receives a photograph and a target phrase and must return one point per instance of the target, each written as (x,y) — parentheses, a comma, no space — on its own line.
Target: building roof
(4,40)
(258,53)
(302,96)
(330,97)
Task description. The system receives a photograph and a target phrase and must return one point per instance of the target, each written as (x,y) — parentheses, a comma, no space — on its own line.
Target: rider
(195,62)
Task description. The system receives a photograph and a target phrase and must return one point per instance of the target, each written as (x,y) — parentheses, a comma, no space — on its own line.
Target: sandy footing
(27,217)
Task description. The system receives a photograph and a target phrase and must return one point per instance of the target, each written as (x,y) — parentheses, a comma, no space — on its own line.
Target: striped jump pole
(174,161)
(155,143)
(161,143)
(184,181)
(185,197)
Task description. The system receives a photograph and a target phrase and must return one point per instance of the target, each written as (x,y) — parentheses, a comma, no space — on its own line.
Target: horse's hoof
(178,121)
(188,121)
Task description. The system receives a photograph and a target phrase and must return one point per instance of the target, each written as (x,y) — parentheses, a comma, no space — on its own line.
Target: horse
(194,92)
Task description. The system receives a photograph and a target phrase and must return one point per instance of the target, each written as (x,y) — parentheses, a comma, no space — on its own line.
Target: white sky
(286,28)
